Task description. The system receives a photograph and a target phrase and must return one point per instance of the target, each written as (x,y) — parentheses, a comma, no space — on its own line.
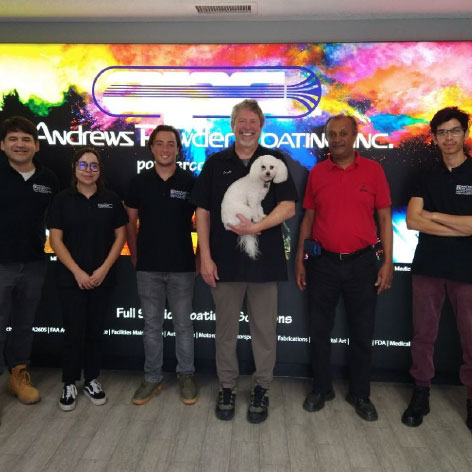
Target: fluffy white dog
(244,196)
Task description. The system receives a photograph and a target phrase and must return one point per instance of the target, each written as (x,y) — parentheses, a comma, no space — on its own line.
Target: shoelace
(363,401)
(186,379)
(228,395)
(419,398)
(258,395)
(96,387)
(71,391)
(24,377)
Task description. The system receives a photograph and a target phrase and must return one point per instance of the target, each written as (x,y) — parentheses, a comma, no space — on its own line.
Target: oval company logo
(207,92)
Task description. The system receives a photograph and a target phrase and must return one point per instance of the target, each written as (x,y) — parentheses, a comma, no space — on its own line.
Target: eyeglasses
(453,131)
(93,166)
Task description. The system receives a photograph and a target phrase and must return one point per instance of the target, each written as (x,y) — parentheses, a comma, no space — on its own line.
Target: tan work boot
(20,385)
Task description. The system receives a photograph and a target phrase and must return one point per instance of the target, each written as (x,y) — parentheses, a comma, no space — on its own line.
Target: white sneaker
(93,390)
(67,400)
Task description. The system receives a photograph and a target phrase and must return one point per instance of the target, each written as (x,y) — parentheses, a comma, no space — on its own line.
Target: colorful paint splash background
(392,88)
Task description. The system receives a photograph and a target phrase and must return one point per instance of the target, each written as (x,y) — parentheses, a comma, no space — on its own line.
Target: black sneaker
(225,404)
(67,400)
(418,407)
(93,390)
(257,411)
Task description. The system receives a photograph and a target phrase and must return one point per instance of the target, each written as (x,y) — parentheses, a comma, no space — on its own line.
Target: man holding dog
(232,274)
(338,232)
(441,210)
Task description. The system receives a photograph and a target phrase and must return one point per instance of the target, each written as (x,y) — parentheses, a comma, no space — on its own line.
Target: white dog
(244,196)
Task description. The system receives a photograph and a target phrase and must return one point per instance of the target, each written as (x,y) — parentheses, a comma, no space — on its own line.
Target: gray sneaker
(225,404)
(145,391)
(188,389)
(258,408)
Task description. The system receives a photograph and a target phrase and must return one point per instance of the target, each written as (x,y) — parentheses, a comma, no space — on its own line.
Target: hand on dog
(245,226)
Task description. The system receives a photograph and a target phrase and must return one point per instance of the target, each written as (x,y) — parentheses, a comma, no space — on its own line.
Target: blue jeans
(20,293)
(153,290)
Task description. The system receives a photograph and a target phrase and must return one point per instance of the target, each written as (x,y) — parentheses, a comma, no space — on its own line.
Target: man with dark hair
(230,273)
(162,253)
(441,210)
(342,195)
(26,189)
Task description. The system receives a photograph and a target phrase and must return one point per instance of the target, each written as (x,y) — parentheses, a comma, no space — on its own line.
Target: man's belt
(343,256)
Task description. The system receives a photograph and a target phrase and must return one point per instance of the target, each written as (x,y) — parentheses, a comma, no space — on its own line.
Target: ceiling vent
(227,9)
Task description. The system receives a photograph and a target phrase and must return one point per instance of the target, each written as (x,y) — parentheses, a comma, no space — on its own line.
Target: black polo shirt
(88,226)
(165,220)
(23,205)
(448,192)
(233,265)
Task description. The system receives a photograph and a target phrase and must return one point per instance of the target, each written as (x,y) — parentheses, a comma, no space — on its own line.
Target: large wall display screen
(111,96)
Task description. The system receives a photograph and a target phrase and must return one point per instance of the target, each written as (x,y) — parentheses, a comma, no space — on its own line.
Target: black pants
(83,314)
(20,293)
(327,279)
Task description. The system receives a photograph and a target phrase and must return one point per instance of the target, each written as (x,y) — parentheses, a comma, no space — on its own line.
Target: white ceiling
(262,10)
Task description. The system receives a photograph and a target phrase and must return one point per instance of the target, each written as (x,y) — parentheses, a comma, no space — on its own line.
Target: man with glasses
(162,253)
(26,189)
(441,210)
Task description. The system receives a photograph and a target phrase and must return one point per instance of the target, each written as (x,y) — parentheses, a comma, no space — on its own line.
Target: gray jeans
(20,293)
(153,290)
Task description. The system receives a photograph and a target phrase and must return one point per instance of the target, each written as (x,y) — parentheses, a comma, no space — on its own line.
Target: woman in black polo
(87,232)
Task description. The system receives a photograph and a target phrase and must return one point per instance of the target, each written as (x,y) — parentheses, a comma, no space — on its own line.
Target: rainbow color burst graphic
(111,96)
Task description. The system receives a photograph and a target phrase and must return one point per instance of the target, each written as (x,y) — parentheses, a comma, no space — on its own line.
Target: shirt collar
(233,155)
(172,177)
(73,191)
(355,164)
(460,168)
(4,162)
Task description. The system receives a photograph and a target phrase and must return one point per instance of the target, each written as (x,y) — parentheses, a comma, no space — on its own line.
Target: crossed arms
(434,223)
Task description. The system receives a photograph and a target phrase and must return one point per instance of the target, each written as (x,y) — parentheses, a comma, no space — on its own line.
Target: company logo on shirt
(463,189)
(105,205)
(180,194)
(41,188)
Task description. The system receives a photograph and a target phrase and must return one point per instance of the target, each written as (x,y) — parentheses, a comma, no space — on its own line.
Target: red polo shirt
(344,201)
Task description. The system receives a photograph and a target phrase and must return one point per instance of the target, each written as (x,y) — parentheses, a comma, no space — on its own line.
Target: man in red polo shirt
(339,232)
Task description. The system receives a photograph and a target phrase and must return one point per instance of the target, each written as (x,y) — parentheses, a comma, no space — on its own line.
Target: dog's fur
(244,196)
